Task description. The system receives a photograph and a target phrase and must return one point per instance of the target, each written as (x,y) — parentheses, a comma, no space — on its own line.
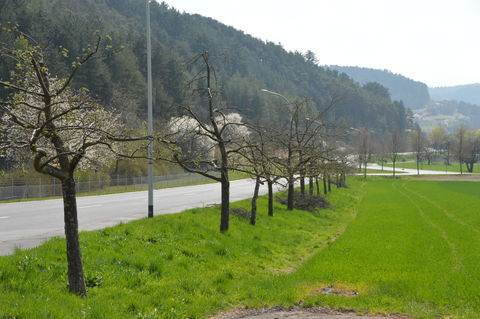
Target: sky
(433,41)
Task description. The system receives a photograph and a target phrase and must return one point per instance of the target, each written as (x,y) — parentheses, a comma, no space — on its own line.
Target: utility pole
(150,115)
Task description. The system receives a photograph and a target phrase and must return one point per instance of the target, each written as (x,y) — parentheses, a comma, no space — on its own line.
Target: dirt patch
(297,313)
(339,291)
(306,202)
(240,212)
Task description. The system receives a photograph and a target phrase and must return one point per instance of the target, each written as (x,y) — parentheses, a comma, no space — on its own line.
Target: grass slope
(413,249)
(175,266)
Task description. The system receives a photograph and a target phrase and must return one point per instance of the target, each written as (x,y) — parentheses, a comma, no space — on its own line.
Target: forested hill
(244,64)
(469,93)
(449,113)
(414,94)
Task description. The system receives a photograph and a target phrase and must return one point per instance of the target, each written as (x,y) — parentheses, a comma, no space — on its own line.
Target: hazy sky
(433,41)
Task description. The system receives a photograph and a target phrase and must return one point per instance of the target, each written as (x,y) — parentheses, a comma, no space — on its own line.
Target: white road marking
(125,218)
(4,217)
(90,206)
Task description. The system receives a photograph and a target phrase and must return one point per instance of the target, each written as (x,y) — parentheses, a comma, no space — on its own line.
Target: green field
(454,167)
(414,249)
(410,248)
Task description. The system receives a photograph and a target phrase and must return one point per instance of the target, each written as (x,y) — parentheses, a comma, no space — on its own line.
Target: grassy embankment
(454,167)
(414,249)
(173,266)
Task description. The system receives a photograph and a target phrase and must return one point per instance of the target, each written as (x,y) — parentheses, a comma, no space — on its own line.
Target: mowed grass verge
(414,249)
(175,266)
(453,167)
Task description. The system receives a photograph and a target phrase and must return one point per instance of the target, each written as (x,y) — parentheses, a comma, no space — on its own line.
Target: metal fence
(11,189)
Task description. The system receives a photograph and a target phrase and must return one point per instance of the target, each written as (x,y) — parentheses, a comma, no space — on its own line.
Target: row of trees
(462,145)
(212,140)
(64,128)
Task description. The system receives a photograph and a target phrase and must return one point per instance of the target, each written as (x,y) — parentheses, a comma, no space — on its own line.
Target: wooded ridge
(244,65)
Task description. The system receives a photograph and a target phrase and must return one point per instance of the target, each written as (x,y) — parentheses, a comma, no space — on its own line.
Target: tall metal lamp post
(150,115)
(277,94)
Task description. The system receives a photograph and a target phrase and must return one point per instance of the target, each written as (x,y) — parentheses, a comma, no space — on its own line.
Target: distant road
(28,224)
(405,171)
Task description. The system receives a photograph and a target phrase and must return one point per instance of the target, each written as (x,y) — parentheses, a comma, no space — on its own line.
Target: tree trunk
(310,186)
(393,169)
(76,279)
(225,207)
(325,190)
(329,183)
(270,198)
(318,186)
(291,189)
(469,166)
(253,213)
(418,166)
(302,184)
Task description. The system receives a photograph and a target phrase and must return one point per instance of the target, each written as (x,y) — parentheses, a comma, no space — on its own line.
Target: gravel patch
(297,313)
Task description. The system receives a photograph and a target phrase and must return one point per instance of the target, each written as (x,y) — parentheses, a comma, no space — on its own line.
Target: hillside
(244,64)
(469,93)
(449,113)
(414,94)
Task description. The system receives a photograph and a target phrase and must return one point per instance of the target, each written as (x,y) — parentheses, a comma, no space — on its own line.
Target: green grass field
(410,248)
(454,167)
(414,249)
(174,266)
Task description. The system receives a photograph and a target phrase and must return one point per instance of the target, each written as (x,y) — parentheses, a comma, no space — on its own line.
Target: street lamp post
(150,115)
(291,177)
(275,93)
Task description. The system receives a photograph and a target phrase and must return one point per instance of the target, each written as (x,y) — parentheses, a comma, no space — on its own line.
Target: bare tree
(394,148)
(62,128)
(439,138)
(460,151)
(298,140)
(382,151)
(212,135)
(418,144)
(258,156)
(364,148)
(471,149)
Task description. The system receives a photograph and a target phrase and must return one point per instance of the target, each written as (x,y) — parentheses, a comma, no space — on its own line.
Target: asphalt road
(405,171)
(28,224)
